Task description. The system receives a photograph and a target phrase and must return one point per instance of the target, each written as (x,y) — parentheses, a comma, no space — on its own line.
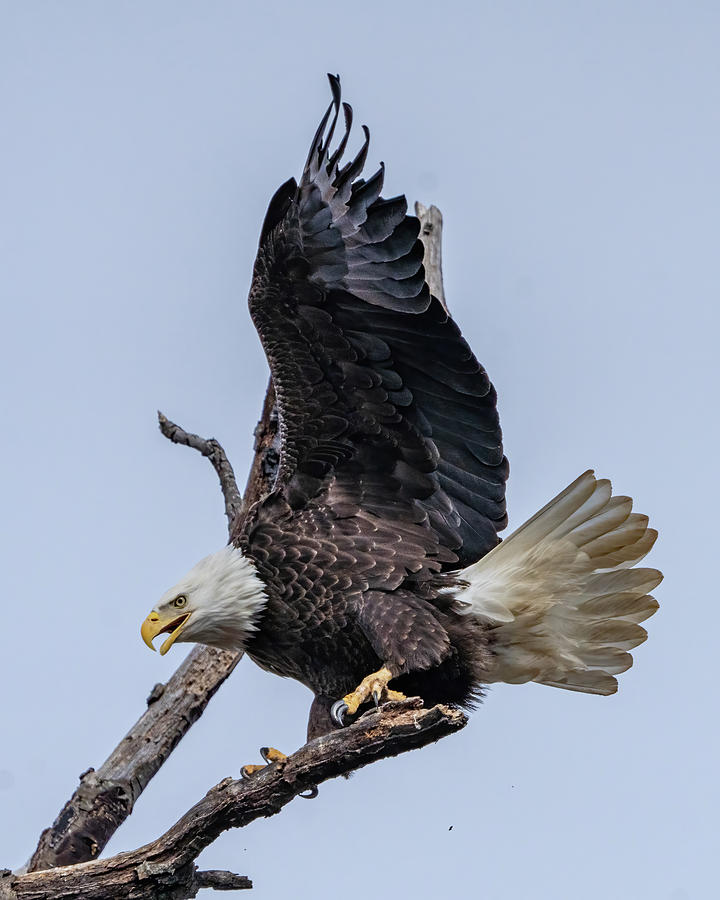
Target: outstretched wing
(384,409)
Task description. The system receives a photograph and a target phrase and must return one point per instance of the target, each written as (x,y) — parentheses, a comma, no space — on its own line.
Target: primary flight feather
(375,559)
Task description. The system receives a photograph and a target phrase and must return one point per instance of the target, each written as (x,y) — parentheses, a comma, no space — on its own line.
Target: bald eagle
(373,568)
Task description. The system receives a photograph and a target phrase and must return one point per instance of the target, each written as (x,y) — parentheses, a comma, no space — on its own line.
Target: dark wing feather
(385,414)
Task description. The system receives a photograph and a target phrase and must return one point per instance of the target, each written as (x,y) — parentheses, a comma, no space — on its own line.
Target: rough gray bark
(105,798)
(431,223)
(165,869)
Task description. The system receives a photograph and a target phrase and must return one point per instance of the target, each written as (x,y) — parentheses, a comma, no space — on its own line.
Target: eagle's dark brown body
(329,631)
(392,471)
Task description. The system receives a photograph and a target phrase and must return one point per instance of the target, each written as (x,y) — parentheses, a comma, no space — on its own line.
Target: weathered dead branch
(211,448)
(166,868)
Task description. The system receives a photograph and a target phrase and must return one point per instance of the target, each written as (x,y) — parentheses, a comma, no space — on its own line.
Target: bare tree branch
(217,456)
(166,869)
(431,223)
(105,798)
(218,880)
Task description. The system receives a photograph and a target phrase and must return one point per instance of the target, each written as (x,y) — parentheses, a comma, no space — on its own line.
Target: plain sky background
(574,149)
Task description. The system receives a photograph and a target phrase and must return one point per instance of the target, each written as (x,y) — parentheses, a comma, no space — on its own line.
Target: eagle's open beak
(154,625)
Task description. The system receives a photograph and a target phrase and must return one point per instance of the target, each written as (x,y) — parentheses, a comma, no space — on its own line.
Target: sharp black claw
(311,793)
(264,753)
(337,712)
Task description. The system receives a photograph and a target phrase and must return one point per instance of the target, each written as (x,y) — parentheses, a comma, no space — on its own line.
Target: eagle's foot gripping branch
(374,686)
(271,755)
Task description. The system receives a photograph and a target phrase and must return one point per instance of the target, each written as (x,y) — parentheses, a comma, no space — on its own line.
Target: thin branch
(219,880)
(165,868)
(211,448)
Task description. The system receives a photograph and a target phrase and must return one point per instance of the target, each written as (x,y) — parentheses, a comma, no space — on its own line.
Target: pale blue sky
(573,148)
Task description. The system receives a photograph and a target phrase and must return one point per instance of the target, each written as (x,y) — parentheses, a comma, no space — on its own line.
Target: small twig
(219,880)
(211,448)
(165,868)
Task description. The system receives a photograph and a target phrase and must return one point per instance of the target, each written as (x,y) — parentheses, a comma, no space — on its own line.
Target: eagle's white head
(218,603)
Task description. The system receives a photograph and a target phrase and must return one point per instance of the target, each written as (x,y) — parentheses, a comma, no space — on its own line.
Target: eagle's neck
(234,598)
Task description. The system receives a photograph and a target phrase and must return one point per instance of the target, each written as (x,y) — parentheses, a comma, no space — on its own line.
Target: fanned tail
(560,596)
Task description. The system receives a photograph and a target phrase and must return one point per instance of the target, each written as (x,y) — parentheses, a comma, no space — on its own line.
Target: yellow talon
(270,755)
(374,685)
(394,695)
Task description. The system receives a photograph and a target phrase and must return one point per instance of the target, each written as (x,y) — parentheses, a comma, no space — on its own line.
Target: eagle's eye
(180,601)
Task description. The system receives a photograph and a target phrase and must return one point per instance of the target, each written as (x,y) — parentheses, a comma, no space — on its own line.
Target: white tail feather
(559,594)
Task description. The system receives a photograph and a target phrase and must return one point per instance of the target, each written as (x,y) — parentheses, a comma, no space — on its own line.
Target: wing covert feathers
(374,381)
(560,594)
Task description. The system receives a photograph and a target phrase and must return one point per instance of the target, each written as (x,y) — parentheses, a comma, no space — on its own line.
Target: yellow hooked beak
(154,625)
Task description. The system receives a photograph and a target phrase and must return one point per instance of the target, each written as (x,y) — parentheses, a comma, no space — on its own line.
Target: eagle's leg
(374,685)
(271,755)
